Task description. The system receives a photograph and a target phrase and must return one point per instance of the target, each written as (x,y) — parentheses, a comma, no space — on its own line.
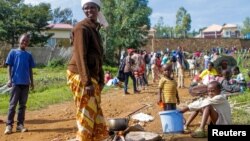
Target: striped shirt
(168,89)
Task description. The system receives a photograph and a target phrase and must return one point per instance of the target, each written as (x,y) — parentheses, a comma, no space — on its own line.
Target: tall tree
(163,31)
(246,26)
(129,21)
(63,16)
(18,18)
(183,22)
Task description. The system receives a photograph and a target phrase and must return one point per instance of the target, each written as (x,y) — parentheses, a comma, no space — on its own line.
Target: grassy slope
(50,88)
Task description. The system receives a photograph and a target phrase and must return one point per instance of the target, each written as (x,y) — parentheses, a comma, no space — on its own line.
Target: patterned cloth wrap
(89,117)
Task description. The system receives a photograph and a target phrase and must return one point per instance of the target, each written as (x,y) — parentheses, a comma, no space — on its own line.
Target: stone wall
(245,43)
(195,44)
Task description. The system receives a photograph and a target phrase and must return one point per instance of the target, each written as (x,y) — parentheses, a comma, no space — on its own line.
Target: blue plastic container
(172,121)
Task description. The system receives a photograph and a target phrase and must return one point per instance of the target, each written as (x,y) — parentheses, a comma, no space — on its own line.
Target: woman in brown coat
(85,74)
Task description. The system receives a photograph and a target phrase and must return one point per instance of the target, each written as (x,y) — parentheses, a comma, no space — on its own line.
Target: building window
(52,42)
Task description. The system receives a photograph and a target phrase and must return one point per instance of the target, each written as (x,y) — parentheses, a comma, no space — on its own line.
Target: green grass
(241,115)
(40,100)
(3,76)
(50,88)
(244,97)
(113,70)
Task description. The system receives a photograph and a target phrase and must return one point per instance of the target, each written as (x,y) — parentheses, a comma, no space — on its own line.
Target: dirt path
(57,121)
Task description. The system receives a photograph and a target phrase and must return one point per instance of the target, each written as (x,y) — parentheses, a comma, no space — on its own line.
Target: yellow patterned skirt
(89,117)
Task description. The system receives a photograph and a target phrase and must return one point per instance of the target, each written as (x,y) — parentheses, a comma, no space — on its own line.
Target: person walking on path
(20,64)
(85,75)
(128,72)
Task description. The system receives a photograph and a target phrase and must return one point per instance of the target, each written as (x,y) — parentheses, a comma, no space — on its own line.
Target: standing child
(168,94)
(181,71)
(107,77)
(20,64)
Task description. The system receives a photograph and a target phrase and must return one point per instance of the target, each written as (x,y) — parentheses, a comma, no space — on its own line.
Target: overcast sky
(203,12)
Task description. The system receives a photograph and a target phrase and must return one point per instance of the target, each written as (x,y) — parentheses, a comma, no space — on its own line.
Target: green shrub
(56,62)
(113,70)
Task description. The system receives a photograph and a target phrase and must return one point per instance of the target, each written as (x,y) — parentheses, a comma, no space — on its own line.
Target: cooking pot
(118,124)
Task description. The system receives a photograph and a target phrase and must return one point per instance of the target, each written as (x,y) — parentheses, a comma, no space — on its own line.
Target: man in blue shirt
(20,64)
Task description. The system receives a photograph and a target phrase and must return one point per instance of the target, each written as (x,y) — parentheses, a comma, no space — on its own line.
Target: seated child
(208,75)
(196,78)
(219,77)
(214,106)
(114,82)
(168,94)
(107,77)
(227,85)
(239,78)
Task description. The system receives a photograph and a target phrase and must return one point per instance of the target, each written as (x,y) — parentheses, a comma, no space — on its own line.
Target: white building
(224,31)
(61,35)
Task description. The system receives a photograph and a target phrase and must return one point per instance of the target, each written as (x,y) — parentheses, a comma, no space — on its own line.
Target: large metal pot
(118,124)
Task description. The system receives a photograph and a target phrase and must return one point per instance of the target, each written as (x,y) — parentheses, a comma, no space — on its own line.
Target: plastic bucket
(171,121)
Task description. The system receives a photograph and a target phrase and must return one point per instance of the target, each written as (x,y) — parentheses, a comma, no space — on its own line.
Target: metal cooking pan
(120,124)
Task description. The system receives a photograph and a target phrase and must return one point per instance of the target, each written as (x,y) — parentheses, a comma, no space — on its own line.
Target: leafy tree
(193,33)
(183,22)
(63,16)
(163,31)
(128,24)
(159,27)
(246,26)
(17,18)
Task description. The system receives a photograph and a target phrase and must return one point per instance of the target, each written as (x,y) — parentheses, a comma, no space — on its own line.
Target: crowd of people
(200,65)
(87,81)
(86,78)
(168,69)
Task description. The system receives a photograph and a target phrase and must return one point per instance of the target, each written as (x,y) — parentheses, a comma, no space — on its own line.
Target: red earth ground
(57,123)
